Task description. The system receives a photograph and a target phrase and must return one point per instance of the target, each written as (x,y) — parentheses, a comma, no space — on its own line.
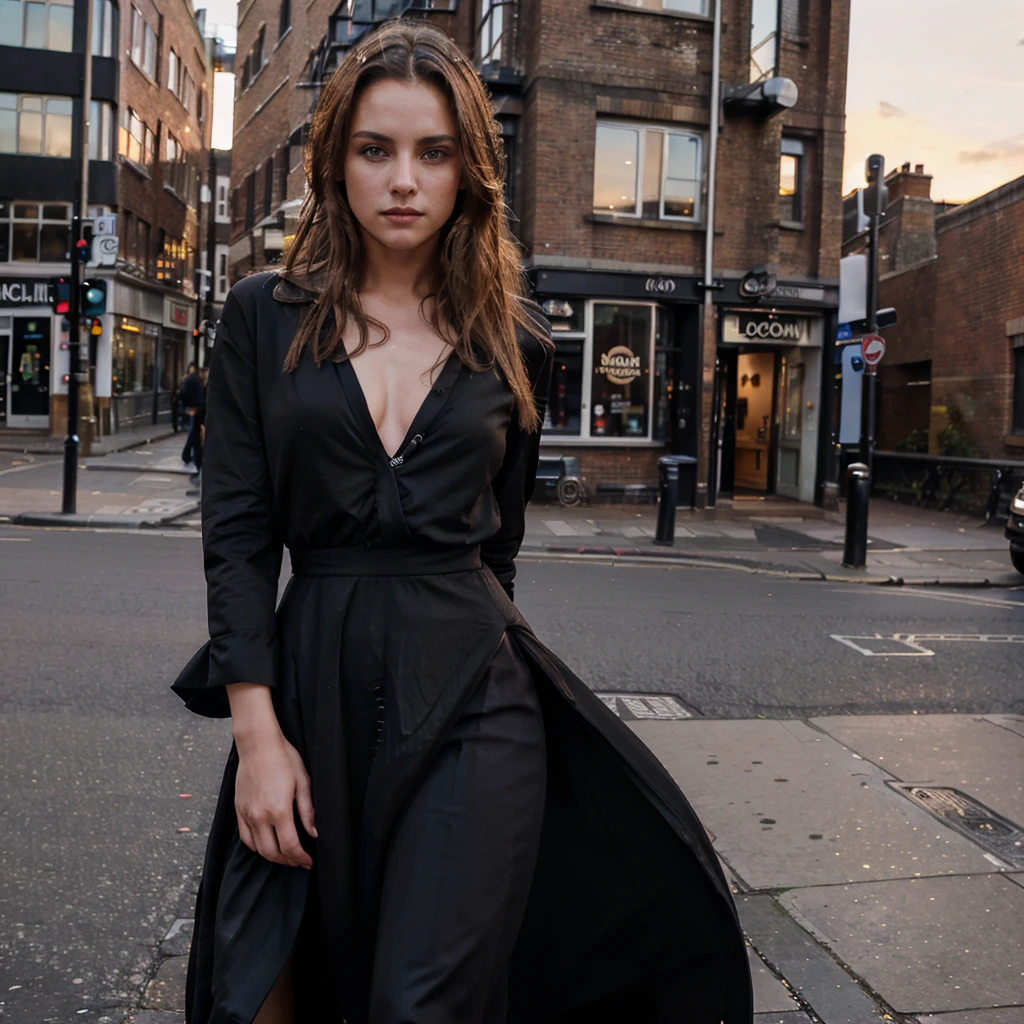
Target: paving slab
(770,995)
(924,944)
(1003,1015)
(965,752)
(821,982)
(791,806)
(795,1017)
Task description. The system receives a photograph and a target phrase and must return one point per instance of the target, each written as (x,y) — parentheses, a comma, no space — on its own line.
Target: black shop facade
(628,385)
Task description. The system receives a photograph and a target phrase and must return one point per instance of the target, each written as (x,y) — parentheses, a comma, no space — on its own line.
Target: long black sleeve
(513,485)
(242,544)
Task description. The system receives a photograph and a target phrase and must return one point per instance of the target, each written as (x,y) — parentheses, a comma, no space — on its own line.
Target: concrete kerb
(693,559)
(7,445)
(87,520)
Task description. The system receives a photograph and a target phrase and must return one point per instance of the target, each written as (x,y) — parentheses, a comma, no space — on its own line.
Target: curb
(21,450)
(87,520)
(753,566)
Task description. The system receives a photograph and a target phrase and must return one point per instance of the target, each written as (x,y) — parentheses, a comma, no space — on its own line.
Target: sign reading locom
(765,327)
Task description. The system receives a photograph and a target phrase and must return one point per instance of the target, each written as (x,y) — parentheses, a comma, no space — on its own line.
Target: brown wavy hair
(478,283)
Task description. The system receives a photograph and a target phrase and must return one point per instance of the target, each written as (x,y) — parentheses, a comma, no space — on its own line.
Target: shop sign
(177,314)
(770,328)
(659,285)
(619,365)
(24,291)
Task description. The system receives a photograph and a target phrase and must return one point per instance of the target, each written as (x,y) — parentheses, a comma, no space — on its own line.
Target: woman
(426,817)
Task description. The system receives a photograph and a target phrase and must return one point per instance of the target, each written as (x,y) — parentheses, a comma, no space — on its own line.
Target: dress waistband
(413,560)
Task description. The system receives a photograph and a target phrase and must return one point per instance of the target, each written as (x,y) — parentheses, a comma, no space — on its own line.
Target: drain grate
(631,707)
(995,834)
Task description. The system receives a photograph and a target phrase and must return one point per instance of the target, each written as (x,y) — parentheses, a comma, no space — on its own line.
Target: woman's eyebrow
(429,140)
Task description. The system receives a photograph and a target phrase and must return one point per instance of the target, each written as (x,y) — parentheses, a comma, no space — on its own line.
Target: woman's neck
(397,275)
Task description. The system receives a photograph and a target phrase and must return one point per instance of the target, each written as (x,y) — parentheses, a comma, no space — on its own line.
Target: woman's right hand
(270,784)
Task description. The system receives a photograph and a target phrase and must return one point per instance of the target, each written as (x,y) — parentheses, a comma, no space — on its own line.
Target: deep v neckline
(433,401)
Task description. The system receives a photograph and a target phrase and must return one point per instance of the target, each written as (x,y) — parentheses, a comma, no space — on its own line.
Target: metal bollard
(858,491)
(668,498)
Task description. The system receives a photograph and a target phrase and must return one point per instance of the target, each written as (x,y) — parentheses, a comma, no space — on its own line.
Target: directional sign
(844,333)
(872,348)
(104,250)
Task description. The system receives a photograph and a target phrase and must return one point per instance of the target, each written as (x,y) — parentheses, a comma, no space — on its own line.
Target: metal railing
(940,479)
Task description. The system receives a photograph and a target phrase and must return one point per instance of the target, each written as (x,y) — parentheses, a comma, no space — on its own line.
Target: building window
(174,262)
(1018,383)
(35,125)
(764,39)
(143,44)
(676,6)
(188,91)
(791,181)
(647,172)
(136,141)
(173,73)
(250,200)
(254,62)
(285,21)
(221,280)
(221,214)
(104,28)
(37,25)
(491,31)
(101,130)
(34,232)
(602,382)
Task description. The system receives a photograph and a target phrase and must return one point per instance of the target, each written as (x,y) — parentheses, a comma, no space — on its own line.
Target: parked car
(1015,530)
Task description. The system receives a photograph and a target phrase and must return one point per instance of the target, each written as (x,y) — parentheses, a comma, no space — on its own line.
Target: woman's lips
(402,217)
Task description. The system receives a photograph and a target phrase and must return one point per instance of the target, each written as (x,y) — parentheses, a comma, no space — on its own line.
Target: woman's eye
(435,154)
(373,152)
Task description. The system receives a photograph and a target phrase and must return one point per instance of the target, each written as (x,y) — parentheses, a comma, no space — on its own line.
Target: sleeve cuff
(242,657)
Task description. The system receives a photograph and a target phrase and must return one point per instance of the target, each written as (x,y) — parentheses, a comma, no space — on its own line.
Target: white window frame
(44,114)
(173,72)
(222,254)
(667,132)
(586,392)
(47,42)
(222,213)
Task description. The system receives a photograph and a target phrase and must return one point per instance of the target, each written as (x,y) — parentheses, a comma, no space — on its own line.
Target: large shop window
(602,382)
(647,172)
(34,232)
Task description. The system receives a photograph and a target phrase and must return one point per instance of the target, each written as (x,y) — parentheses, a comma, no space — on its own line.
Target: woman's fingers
(245,834)
(266,843)
(289,845)
(304,803)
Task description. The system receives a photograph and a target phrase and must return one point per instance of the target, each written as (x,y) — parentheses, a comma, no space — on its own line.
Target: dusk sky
(939,83)
(935,82)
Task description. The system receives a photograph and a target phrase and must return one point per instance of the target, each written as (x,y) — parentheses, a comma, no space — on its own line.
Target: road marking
(917,645)
(22,469)
(970,599)
(16,540)
(634,706)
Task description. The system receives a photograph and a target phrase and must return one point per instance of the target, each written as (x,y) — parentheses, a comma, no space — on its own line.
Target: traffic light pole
(876,173)
(69,500)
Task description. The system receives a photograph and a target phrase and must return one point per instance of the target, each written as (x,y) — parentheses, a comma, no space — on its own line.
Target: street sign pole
(69,500)
(876,178)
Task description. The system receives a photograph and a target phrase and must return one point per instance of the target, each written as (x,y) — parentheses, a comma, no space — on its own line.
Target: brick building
(605,108)
(955,274)
(149,130)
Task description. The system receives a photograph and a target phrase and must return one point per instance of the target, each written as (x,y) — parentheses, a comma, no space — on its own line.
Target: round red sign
(872,348)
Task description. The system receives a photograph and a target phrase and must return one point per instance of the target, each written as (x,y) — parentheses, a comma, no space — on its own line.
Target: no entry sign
(872,348)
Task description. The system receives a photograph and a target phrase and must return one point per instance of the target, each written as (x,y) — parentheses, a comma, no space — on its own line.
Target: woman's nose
(403,180)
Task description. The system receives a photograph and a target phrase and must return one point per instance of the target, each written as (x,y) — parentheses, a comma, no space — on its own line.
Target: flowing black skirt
(494,844)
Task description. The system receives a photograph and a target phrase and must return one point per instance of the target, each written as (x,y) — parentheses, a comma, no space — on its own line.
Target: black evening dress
(416,693)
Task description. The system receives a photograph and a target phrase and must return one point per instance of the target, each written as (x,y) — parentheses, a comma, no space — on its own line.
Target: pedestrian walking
(426,817)
(198,428)
(191,395)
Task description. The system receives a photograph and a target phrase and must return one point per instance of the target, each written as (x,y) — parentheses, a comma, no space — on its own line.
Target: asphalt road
(95,751)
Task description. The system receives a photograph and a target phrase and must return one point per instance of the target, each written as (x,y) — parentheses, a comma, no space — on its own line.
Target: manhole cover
(992,832)
(635,706)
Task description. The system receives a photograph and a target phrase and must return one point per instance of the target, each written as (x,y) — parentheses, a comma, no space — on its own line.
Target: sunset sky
(939,83)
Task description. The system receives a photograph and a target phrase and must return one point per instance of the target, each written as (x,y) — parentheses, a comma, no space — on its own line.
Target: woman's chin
(402,238)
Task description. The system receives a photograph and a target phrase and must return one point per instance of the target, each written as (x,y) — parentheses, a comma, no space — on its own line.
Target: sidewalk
(145,486)
(875,861)
(905,544)
(37,442)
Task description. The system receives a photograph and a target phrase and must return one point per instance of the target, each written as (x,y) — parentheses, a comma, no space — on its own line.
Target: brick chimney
(906,182)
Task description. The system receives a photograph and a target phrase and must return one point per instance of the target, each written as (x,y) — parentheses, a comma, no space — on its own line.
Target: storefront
(623,383)
(27,342)
(766,411)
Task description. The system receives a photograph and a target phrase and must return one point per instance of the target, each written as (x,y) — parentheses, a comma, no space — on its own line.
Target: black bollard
(668,498)
(858,491)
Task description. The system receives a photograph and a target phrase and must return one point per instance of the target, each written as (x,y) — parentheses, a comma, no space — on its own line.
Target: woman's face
(402,168)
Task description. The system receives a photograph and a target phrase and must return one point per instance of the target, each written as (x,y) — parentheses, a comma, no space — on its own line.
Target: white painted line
(981,602)
(915,642)
(645,705)
(16,540)
(560,528)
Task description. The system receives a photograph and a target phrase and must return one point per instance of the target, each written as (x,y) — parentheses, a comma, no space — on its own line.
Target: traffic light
(94,298)
(60,295)
(96,327)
